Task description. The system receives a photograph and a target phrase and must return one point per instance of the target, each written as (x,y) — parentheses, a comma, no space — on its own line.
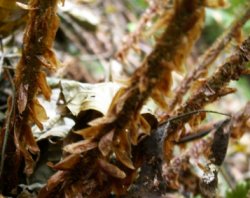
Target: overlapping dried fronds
(108,143)
(208,58)
(133,38)
(37,43)
(210,90)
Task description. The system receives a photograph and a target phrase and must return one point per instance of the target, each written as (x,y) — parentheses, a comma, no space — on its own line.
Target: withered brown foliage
(125,152)
(209,57)
(210,90)
(122,127)
(21,146)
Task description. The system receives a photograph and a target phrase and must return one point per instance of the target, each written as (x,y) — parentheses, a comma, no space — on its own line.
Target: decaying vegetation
(125,151)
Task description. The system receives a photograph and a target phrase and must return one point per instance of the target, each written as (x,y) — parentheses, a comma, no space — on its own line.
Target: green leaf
(242,190)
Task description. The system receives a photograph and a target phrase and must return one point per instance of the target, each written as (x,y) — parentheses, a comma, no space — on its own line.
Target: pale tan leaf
(83,96)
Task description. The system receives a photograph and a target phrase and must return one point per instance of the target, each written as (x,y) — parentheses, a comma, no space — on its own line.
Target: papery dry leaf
(122,149)
(67,163)
(22,98)
(116,104)
(105,143)
(37,113)
(133,131)
(42,83)
(90,132)
(38,37)
(145,126)
(30,141)
(49,55)
(26,145)
(80,147)
(111,169)
(102,120)
(29,162)
(54,180)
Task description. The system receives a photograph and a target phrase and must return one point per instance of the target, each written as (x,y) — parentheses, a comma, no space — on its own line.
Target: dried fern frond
(123,127)
(210,90)
(208,58)
(132,39)
(37,51)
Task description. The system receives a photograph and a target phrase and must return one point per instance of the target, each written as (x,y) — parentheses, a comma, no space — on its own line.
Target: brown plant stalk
(38,38)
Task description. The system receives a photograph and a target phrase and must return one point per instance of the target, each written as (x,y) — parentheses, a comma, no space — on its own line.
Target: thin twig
(7,130)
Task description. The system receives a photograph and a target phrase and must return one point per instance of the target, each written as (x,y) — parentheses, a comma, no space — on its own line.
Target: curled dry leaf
(80,147)
(37,113)
(27,145)
(22,97)
(67,163)
(111,169)
(31,144)
(42,83)
(105,143)
(122,148)
(90,132)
